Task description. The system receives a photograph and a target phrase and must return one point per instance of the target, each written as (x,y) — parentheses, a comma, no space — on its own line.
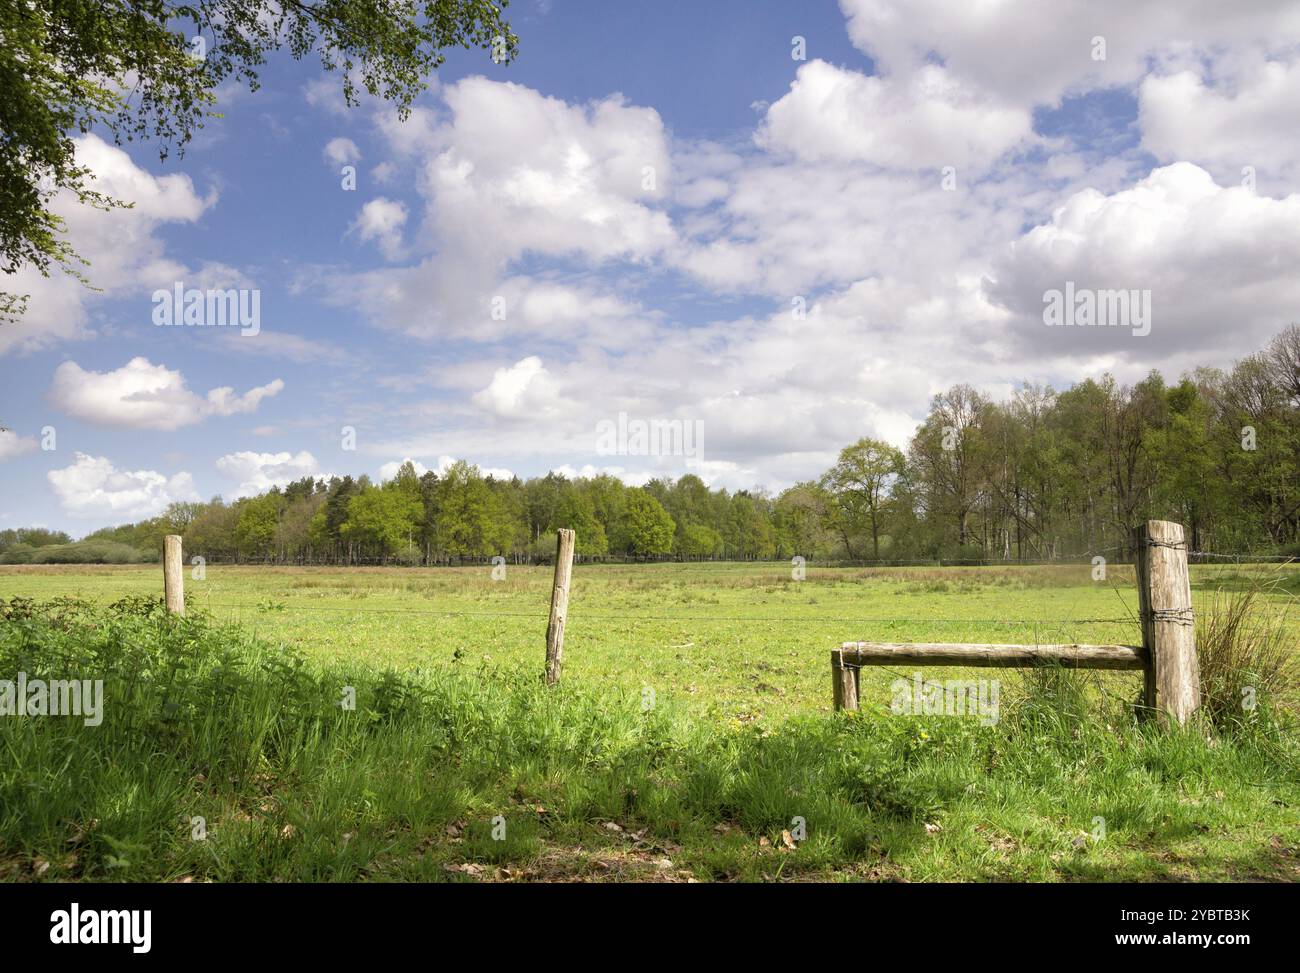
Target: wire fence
(540,615)
(543,560)
(578,614)
(683,616)
(268,606)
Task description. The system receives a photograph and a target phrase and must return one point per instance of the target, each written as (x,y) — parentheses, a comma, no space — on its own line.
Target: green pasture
(740,640)
(691,737)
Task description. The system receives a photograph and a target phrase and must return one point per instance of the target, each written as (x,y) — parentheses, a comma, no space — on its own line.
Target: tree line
(1043,475)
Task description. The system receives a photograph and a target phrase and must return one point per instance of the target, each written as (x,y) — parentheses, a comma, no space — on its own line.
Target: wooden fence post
(173,575)
(844,682)
(1172,687)
(559,605)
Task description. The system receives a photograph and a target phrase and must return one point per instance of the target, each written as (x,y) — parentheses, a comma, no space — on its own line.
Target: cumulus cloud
(341,151)
(258,472)
(581,185)
(93,487)
(817,282)
(123,246)
(925,121)
(389,470)
(1227,123)
(12,444)
(381,221)
(588,471)
(525,389)
(508,172)
(1219,261)
(1018,53)
(142,395)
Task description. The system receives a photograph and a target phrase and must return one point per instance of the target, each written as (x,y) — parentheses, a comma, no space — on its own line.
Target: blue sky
(914,184)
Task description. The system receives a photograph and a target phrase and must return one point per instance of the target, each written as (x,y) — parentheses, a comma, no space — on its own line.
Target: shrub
(90,552)
(18,554)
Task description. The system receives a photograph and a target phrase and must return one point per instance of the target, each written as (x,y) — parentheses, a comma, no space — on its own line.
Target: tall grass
(223,757)
(1250,663)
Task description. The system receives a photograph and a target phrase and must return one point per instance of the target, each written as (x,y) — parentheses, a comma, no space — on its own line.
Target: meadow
(692,727)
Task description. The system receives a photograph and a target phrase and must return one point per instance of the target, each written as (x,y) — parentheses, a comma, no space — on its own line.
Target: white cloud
(122,246)
(326,93)
(578,186)
(381,220)
(838,203)
(587,471)
(1220,263)
(835,200)
(926,121)
(341,151)
(1021,54)
(525,389)
(1224,124)
(508,172)
(444,462)
(416,133)
(389,470)
(258,472)
(12,444)
(141,395)
(93,487)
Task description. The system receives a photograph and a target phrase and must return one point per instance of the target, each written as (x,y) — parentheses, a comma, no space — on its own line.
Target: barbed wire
(1061,560)
(607,616)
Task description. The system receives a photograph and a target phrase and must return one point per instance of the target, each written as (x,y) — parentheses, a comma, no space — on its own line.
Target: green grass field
(743,641)
(596,782)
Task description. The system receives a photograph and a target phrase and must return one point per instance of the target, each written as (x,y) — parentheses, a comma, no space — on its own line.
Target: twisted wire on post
(1174,545)
(1179,616)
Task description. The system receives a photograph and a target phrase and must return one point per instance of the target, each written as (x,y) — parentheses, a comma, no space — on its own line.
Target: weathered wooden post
(173,575)
(1173,679)
(559,605)
(844,681)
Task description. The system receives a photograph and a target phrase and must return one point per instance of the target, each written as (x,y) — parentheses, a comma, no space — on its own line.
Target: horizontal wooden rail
(1004,656)
(1167,656)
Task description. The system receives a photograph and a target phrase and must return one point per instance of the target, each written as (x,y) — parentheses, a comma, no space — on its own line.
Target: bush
(18,554)
(90,552)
